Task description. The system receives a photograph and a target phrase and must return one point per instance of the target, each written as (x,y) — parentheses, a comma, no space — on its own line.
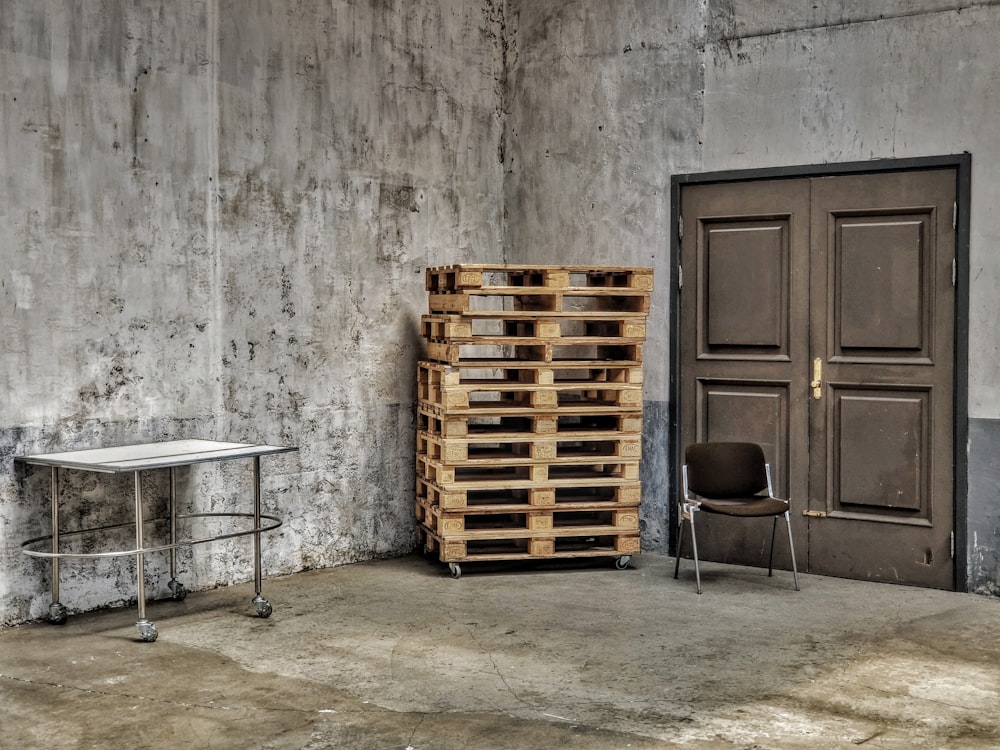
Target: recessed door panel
(881,300)
(880,467)
(746,288)
(757,412)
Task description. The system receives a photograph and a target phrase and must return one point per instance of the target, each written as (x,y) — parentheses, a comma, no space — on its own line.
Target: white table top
(152,455)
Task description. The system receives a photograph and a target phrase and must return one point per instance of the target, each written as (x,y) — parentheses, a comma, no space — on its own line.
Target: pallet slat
(581,422)
(595,447)
(513,475)
(529,547)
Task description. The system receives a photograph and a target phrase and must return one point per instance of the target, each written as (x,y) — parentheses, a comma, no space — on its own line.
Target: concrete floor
(395,654)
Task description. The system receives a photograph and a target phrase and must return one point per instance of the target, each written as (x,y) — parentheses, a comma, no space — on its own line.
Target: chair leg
(770,559)
(694,549)
(680,540)
(791,548)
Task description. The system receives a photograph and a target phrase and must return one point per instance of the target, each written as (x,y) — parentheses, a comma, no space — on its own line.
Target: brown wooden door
(844,281)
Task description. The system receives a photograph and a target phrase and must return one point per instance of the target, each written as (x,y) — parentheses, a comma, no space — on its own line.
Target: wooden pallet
(530,546)
(542,351)
(571,302)
(511,475)
(474,373)
(525,400)
(476,276)
(482,449)
(505,328)
(494,522)
(539,423)
(607,495)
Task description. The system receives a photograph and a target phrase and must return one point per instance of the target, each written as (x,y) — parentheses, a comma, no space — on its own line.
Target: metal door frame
(962,164)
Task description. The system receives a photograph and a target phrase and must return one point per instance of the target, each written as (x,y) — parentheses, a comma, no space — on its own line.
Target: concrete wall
(608,100)
(215,215)
(214,220)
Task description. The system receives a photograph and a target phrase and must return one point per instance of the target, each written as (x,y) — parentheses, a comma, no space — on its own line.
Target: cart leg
(57,612)
(177,590)
(262,605)
(147,631)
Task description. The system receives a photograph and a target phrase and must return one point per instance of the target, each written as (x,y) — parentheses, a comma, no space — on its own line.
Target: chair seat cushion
(751,507)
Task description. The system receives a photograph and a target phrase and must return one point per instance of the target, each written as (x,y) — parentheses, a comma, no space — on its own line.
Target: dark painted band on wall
(984,506)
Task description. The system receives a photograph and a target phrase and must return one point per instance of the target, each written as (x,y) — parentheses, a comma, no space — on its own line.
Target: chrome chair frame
(690,505)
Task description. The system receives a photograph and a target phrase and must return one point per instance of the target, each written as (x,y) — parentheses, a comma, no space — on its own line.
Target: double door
(817,318)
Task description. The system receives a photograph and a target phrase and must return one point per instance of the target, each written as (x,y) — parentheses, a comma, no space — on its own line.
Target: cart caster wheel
(456,570)
(177,590)
(147,630)
(622,562)
(57,613)
(263,606)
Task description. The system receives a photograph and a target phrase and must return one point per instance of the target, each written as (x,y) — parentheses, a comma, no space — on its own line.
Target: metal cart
(137,459)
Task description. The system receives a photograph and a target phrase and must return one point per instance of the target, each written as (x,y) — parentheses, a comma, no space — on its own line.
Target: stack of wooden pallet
(530,412)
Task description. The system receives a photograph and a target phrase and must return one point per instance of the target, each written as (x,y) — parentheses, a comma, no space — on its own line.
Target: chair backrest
(725,470)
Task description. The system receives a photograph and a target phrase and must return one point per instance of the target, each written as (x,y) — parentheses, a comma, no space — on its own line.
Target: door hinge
(814,513)
(680,277)
(954,215)
(954,272)
(953,545)
(680,227)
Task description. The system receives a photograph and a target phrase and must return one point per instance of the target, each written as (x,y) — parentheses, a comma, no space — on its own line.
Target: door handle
(817,381)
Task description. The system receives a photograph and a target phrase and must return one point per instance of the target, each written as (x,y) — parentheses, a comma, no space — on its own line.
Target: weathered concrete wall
(603,109)
(215,214)
(607,101)
(214,221)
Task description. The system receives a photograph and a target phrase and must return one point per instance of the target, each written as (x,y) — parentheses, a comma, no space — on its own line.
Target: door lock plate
(817,381)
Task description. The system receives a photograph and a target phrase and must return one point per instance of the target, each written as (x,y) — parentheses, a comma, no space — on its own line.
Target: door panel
(846,280)
(878,472)
(879,269)
(745,320)
(882,300)
(747,270)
